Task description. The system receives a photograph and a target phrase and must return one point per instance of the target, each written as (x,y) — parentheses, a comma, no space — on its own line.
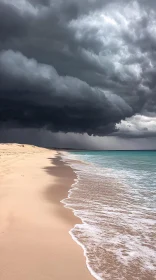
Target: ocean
(115,197)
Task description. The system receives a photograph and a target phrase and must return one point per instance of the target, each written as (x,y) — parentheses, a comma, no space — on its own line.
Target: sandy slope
(34,239)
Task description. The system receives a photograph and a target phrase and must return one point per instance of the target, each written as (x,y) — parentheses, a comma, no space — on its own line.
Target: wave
(117,232)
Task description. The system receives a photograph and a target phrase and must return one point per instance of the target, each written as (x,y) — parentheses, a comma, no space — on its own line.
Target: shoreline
(34,225)
(69,212)
(69,163)
(59,190)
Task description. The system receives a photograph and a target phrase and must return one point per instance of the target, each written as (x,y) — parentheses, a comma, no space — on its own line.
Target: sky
(78,74)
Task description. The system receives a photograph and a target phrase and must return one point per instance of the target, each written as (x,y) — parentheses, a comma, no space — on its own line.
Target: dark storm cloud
(76,66)
(40,2)
(12,24)
(45,99)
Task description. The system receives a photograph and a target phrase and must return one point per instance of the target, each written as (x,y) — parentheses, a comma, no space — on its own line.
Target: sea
(115,198)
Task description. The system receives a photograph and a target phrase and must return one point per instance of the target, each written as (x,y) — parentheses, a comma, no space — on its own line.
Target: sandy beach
(34,225)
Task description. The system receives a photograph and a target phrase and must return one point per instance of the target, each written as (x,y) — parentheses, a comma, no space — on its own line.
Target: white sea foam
(115,222)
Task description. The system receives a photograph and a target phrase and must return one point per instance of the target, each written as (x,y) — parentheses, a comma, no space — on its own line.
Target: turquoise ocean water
(115,197)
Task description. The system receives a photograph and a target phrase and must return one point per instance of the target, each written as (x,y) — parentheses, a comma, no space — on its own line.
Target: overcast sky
(78,73)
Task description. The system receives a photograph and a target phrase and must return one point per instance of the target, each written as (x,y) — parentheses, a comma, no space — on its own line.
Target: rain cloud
(79,66)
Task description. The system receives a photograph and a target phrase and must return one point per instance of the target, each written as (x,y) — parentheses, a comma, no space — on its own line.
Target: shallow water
(115,197)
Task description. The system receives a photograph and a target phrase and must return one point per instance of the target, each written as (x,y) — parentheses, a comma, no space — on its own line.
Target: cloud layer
(78,66)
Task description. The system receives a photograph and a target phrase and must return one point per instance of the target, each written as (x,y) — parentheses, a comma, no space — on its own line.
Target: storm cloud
(79,66)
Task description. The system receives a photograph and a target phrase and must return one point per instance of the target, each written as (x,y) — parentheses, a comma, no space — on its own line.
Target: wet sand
(34,239)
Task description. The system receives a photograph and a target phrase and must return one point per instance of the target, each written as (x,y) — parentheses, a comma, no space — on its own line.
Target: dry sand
(34,239)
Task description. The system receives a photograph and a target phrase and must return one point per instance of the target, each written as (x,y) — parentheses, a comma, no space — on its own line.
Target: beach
(35,243)
(115,198)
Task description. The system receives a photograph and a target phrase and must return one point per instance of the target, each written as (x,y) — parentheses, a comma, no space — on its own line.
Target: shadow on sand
(63,178)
